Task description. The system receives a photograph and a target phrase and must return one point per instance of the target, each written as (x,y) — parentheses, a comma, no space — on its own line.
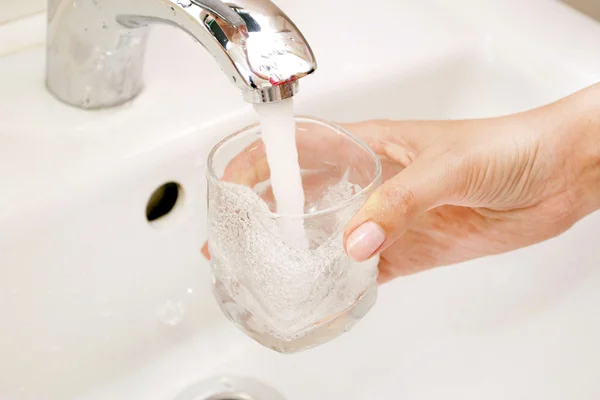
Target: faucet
(95,48)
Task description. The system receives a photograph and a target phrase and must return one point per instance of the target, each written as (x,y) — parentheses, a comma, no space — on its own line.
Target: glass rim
(212,176)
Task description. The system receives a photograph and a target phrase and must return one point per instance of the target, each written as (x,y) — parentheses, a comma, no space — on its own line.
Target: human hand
(479,187)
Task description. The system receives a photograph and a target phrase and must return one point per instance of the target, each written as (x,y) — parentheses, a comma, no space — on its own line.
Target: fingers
(393,207)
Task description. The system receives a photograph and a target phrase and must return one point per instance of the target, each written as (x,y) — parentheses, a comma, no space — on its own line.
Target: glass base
(322,332)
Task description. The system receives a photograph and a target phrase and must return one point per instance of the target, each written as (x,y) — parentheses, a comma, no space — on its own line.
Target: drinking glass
(285,294)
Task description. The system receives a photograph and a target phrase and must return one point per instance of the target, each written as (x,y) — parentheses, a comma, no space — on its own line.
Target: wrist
(585,117)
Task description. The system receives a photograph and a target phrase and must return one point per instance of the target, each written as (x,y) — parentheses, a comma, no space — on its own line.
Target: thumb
(394,206)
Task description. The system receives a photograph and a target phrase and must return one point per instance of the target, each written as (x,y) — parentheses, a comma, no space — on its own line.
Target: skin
(459,190)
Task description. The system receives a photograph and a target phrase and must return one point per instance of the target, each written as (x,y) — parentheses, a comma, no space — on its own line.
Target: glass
(289,297)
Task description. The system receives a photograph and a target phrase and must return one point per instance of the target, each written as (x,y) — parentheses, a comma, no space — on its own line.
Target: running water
(278,129)
(267,279)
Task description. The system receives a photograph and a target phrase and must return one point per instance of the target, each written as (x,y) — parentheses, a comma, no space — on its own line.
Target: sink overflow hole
(163,201)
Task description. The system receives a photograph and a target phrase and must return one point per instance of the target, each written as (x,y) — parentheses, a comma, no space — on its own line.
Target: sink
(99,303)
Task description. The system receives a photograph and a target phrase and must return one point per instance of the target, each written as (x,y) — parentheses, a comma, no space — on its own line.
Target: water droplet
(184,3)
(190,290)
(171,313)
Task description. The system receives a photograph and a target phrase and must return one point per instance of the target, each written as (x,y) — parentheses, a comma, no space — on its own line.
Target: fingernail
(364,241)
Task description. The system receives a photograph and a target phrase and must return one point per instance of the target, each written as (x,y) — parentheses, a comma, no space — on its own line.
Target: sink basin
(99,303)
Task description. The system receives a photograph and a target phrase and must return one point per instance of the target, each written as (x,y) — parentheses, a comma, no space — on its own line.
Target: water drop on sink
(171,313)
(184,3)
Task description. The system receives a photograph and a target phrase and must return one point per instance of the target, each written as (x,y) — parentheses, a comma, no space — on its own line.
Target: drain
(229,388)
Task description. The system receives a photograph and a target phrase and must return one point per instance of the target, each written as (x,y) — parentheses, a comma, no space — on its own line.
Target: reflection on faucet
(96,47)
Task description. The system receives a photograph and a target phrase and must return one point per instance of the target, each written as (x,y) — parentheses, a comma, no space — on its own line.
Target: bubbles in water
(171,313)
(184,3)
(335,194)
(288,288)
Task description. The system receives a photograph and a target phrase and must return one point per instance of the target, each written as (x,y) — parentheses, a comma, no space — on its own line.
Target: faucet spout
(96,48)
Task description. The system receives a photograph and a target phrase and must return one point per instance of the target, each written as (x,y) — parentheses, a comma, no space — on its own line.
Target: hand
(479,187)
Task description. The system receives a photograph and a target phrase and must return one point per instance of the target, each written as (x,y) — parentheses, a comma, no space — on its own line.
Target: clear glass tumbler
(287,296)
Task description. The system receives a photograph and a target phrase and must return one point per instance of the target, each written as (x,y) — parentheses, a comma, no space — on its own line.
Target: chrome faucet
(96,48)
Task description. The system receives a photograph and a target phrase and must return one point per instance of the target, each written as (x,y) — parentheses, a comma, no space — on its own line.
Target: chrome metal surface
(275,93)
(96,47)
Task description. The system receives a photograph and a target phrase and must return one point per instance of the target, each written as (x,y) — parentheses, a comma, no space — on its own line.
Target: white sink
(99,304)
